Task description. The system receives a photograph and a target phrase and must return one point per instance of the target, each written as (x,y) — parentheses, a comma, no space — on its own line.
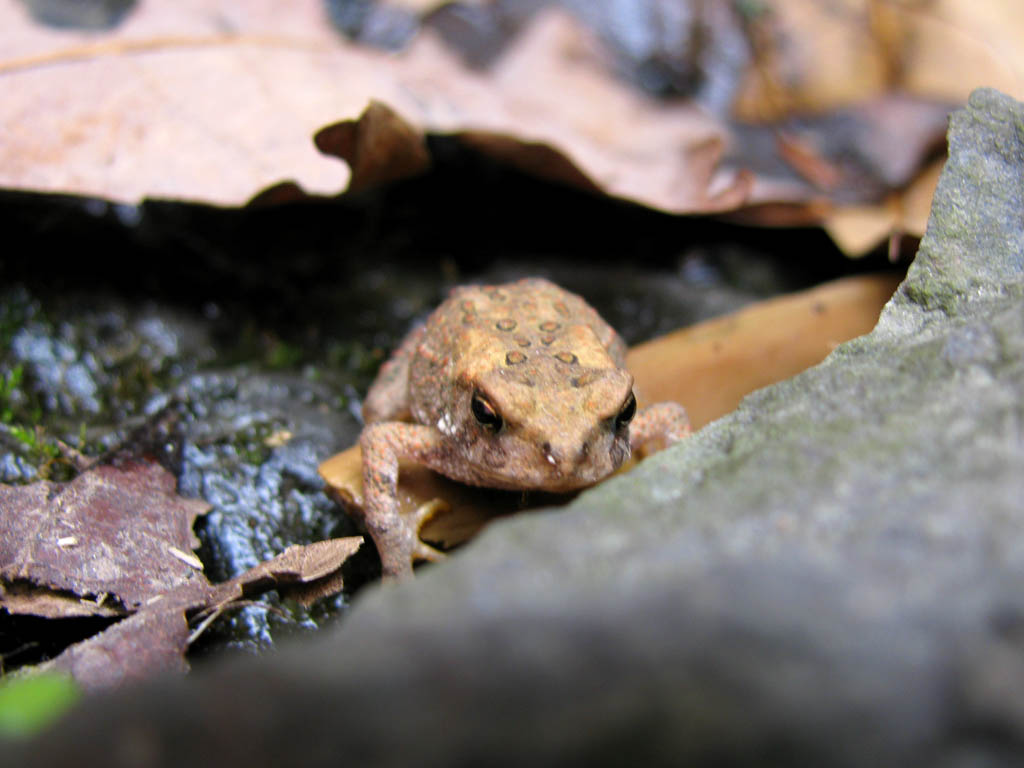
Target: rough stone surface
(829,576)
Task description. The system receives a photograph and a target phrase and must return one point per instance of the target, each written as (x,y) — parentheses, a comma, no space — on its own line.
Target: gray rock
(829,576)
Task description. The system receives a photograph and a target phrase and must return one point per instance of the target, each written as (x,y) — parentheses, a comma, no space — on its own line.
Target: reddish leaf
(154,640)
(120,531)
(118,539)
(151,642)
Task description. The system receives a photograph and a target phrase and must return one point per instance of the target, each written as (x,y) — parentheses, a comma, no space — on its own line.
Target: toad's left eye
(626,413)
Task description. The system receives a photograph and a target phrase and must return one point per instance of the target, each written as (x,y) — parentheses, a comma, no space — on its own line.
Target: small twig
(23,648)
(216,611)
(75,457)
(205,623)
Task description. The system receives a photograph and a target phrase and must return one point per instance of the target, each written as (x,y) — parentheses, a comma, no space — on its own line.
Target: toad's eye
(626,413)
(485,413)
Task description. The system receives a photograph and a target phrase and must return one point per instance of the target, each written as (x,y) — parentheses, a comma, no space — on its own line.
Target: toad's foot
(658,426)
(399,543)
(424,512)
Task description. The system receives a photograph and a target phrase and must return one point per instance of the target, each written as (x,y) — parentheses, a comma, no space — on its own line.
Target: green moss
(752,10)
(281,356)
(41,449)
(358,362)
(9,384)
(29,703)
(251,444)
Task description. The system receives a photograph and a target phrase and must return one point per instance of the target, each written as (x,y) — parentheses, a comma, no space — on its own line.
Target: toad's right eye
(485,412)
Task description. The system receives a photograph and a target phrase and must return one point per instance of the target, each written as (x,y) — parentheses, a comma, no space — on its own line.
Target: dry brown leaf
(23,597)
(307,573)
(116,531)
(813,56)
(298,567)
(708,368)
(951,47)
(856,154)
(858,229)
(865,158)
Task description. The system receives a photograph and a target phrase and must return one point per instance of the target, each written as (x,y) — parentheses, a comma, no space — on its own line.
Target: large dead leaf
(169,105)
(213,102)
(708,368)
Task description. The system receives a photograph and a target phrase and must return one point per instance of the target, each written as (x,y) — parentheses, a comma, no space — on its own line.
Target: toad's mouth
(554,477)
(547,483)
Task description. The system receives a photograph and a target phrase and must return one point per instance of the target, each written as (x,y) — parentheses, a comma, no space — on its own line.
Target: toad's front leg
(384,445)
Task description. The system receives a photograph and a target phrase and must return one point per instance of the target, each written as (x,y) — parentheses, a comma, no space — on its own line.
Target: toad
(519,386)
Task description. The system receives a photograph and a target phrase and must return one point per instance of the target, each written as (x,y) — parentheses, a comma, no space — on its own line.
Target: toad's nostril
(551,456)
